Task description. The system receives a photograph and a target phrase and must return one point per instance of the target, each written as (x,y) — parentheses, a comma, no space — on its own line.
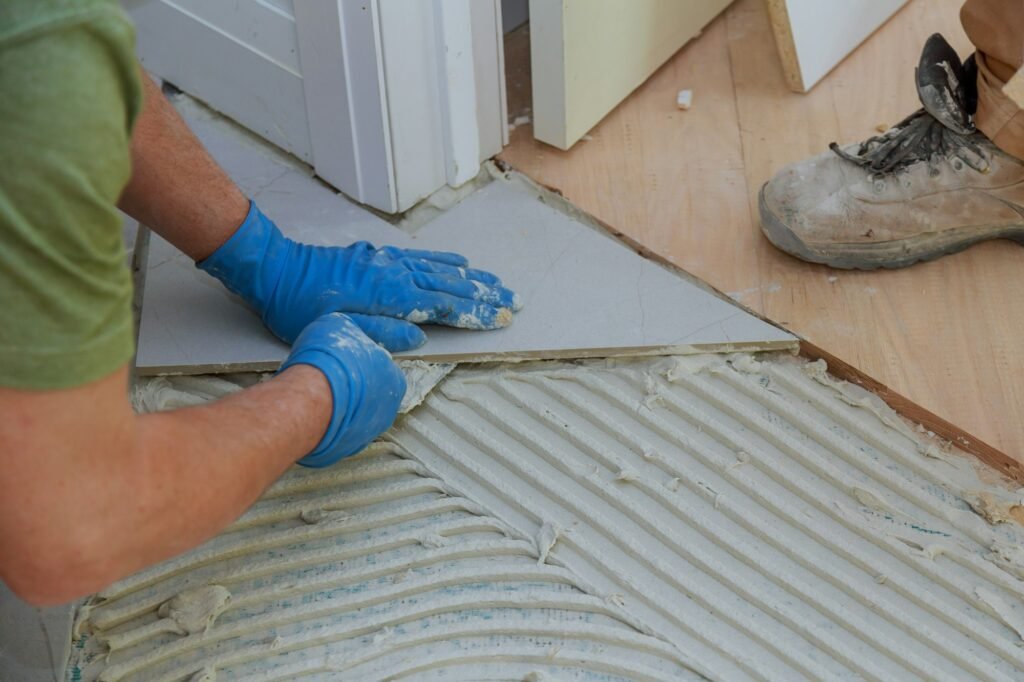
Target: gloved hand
(383,290)
(366,385)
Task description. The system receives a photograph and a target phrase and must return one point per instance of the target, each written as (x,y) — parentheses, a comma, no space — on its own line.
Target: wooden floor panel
(684,183)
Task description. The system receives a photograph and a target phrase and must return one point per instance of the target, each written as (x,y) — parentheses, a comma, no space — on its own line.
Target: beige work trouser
(996,27)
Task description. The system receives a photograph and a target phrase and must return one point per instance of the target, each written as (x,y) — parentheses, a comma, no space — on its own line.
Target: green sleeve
(70,90)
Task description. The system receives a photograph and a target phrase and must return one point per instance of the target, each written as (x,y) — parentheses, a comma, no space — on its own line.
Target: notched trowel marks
(767,519)
(726,516)
(371,569)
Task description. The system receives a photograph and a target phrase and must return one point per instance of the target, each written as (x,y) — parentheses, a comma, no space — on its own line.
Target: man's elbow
(43,577)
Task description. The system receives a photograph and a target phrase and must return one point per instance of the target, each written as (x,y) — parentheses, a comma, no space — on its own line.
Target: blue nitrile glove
(366,385)
(382,290)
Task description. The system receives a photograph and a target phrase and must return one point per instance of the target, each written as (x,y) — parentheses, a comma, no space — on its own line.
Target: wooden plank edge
(778,17)
(905,407)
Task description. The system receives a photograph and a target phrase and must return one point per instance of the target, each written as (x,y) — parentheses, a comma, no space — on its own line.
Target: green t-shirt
(69,91)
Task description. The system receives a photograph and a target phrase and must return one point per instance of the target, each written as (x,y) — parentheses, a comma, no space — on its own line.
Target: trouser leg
(996,28)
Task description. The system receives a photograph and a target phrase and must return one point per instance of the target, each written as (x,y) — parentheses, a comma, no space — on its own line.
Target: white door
(812,36)
(588,55)
(389,100)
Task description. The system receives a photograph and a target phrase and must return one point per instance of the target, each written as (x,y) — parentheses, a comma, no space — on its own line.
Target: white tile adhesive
(731,517)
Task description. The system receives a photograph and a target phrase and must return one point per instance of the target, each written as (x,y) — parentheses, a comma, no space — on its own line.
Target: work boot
(929,186)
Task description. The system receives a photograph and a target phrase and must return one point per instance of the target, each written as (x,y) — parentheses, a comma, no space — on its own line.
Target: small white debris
(741,459)
(205,675)
(652,392)
(832,279)
(673,483)
(196,609)
(587,138)
(684,99)
(617,599)
(313,516)
(708,489)
(383,634)
(933,551)
(881,578)
(626,476)
(547,536)
(433,541)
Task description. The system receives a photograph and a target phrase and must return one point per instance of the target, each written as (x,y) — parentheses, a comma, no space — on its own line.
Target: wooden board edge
(905,407)
(778,17)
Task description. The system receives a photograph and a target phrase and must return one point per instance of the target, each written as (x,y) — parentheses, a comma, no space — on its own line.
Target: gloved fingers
(441,268)
(394,334)
(474,290)
(443,257)
(366,385)
(435,307)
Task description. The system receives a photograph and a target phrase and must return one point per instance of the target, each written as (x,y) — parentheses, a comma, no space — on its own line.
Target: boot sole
(891,254)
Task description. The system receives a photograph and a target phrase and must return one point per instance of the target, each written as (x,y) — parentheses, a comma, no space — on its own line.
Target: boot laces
(918,137)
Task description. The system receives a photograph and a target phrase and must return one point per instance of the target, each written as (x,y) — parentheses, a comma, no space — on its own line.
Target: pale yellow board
(948,335)
(590,54)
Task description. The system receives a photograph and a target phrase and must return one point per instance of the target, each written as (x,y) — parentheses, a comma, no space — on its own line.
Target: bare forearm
(167,483)
(176,188)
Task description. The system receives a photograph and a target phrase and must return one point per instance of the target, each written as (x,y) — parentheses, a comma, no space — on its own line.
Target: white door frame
(389,100)
(404,115)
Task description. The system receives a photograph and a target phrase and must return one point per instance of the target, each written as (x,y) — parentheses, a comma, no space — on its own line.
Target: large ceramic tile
(585,293)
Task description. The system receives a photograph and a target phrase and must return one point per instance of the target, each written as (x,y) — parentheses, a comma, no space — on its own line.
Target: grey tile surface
(585,293)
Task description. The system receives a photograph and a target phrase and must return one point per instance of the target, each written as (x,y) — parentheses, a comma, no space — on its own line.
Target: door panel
(588,55)
(387,99)
(813,36)
(241,58)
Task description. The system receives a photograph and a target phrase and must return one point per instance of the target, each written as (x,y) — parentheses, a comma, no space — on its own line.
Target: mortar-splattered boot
(929,186)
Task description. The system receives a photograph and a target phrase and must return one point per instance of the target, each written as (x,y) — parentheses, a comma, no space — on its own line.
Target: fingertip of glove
(406,340)
(503,318)
(415,338)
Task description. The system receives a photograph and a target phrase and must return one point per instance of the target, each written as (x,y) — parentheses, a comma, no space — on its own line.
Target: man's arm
(176,188)
(92,493)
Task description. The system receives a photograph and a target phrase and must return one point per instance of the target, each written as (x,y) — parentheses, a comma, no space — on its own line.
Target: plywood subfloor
(947,334)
